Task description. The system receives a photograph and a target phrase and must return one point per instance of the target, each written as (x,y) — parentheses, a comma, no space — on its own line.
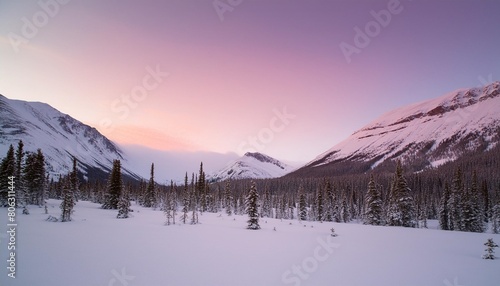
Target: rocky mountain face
(421,135)
(59,136)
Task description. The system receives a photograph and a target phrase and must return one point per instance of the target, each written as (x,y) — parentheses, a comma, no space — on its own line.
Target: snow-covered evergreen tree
(169,205)
(444,219)
(228,198)
(284,207)
(330,201)
(21,195)
(124,204)
(68,201)
(114,188)
(401,211)
(345,210)
(173,201)
(302,207)
(455,202)
(495,213)
(490,249)
(471,214)
(34,179)
(7,170)
(373,204)
(194,217)
(251,204)
(291,208)
(73,180)
(167,208)
(150,195)
(267,210)
(185,201)
(495,219)
(319,206)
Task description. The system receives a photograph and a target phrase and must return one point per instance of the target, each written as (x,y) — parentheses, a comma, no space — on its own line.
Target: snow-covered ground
(98,249)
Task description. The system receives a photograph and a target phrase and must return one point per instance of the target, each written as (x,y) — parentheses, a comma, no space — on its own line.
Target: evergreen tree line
(464,201)
(30,179)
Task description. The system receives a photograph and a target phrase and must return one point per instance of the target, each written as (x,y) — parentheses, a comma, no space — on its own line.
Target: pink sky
(227,78)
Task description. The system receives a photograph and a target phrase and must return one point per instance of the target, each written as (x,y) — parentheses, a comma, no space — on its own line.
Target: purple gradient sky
(226,77)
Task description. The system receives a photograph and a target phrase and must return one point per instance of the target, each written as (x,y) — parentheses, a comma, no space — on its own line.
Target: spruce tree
(150,196)
(173,201)
(283,207)
(185,202)
(373,204)
(194,208)
(319,206)
(124,204)
(34,180)
(167,208)
(194,216)
(21,190)
(455,202)
(490,249)
(291,207)
(251,204)
(302,207)
(495,213)
(74,180)
(114,188)
(330,201)
(68,201)
(228,198)
(345,210)
(169,205)
(401,210)
(267,210)
(485,201)
(471,217)
(444,219)
(7,169)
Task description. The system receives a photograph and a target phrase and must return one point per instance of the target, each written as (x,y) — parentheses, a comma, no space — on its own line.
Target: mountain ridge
(423,134)
(59,136)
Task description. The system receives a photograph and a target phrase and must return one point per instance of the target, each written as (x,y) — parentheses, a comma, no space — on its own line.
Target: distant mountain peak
(265,159)
(252,165)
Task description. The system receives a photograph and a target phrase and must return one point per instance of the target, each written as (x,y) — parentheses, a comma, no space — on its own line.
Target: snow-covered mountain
(58,135)
(424,134)
(252,166)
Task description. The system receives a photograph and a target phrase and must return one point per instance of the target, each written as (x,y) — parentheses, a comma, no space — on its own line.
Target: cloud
(153,138)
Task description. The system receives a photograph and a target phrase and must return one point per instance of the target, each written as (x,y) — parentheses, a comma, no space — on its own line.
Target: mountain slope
(252,166)
(59,136)
(424,134)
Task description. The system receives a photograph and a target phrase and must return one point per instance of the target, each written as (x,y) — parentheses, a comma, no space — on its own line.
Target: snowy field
(98,249)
